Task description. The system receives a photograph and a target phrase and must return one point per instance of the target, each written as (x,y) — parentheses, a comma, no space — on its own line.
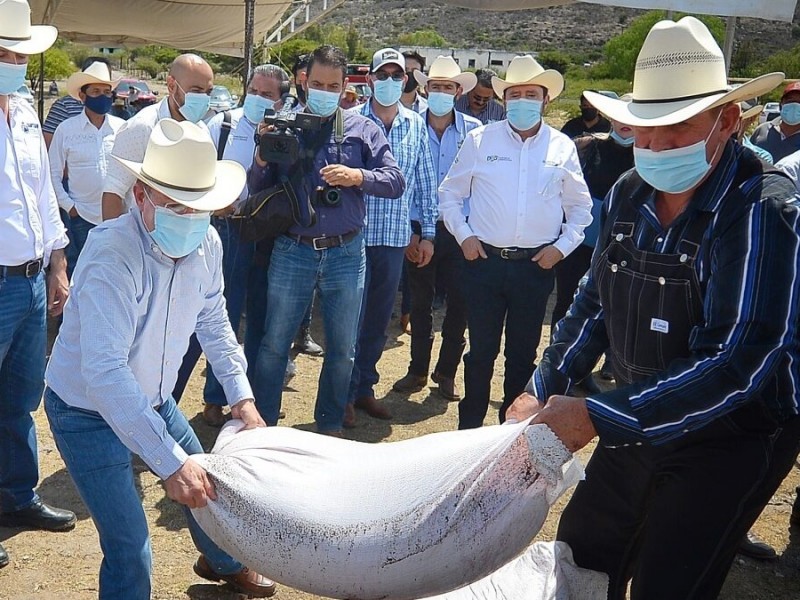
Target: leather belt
(326,241)
(29,269)
(511,253)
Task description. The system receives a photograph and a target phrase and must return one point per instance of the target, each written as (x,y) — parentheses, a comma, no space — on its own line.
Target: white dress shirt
(127,326)
(240,145)
(85,151)
(519,192)
(30,226)
(130,144)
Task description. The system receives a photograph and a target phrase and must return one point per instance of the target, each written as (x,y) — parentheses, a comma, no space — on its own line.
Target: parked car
(771,111)
(25,92)
(222,99)
(145,96)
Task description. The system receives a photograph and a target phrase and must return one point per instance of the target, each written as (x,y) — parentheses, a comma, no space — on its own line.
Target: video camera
(282,144)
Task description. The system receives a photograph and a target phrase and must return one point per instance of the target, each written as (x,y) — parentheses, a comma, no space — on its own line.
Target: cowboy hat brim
(549,78)
(230,180)
(77,80)
(657,114)
(751,112)
(467,80)
(42,37)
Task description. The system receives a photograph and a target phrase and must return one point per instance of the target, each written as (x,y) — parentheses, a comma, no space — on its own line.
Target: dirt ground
(64,566)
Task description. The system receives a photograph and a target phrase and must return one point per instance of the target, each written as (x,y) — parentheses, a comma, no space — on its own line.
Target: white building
(469,58)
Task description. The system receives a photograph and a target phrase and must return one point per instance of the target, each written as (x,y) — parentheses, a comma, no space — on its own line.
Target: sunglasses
(383,76)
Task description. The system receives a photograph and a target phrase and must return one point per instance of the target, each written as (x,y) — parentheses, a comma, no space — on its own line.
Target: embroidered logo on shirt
(659,325)
(28,127)
(495,158)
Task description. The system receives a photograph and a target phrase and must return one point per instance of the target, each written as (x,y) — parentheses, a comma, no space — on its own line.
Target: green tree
(554,59)
(621,51)
(353,42)
(57,65)
(787,61)
(422,37)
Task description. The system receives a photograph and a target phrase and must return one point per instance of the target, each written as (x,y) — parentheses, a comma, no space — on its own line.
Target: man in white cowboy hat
(528,206)
(81,150)
(447,130)
(148,280)
(31,237)
(693,291)
(388,228)
(189,83)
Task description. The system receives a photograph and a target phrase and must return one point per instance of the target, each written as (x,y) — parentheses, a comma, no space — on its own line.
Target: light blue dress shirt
(126,328)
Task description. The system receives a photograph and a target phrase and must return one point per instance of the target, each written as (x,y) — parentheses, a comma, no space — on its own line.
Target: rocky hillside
(579,29)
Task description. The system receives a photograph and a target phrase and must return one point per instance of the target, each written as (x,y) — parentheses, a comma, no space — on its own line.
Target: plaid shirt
(388,221)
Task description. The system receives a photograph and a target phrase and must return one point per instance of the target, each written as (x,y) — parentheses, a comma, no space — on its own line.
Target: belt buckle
(32,268)
(504,253)
(314,243)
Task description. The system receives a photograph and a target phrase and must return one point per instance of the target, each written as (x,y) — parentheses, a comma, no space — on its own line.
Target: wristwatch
(428,238)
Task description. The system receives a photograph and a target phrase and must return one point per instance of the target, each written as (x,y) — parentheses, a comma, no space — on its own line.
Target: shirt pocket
(550,181)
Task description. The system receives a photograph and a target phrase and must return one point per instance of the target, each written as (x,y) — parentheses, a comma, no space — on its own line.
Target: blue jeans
(384,267)
(295,271)
(237,258)
(78,231)
(100,465)
(23,336)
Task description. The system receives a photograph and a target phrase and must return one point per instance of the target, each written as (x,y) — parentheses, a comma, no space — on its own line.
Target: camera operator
(336,169)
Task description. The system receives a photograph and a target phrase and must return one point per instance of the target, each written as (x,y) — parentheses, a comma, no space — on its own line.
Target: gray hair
(271,72)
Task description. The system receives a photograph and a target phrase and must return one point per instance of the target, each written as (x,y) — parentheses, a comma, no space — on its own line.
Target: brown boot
(212,415)
(447,387)
(245,581)
(373,408)
(410,383)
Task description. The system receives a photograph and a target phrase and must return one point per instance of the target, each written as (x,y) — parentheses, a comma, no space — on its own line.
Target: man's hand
(419,251)
(523,407)
(72,213)
(547,257)
(57,283)
(247,412)
(472,248)
(412,250)
(190,485)
(569,420)
(342,176)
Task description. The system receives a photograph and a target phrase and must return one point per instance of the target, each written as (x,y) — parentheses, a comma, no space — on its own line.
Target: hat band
(680,98)
(15,39)
(177,187)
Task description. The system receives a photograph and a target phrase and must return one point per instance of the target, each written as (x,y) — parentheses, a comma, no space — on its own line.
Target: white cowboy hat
(524,70)
(16,32)
(97,72)
(680,72)
(181,163)
(748,112)
(445,68)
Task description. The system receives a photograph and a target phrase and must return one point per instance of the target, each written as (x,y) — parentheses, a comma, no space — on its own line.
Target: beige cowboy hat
(16,32)
(748,112)
(181,162)
(97,72)
(445,68)
(524,70)
(680,72)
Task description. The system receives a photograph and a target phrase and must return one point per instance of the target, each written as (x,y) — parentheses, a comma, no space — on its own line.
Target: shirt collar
(402,112)
(518,139)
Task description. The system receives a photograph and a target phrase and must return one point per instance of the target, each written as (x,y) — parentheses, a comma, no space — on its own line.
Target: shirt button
(158,461)
(167,363)
(623,263)
(619,237)
(662,281)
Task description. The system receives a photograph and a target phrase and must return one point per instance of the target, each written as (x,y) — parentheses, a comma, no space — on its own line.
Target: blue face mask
(322,103)
(626,142)
(388,92)
(178,235)
(254,107)
(195,105)
(12,77)
(790,113)
(440,103)
(675,171)
(524,113)
(98,104)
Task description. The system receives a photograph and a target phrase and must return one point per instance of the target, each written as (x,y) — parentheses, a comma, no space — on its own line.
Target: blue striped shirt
(389,221)
(747,348)
(62,109)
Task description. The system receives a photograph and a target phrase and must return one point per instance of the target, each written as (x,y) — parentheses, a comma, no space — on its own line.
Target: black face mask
(588,114)
(411,84)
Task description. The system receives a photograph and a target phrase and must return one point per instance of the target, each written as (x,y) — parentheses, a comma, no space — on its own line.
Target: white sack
(545,571)
(399,520)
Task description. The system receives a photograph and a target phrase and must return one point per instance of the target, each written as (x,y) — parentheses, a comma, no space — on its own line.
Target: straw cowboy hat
(524,70)
(680,72)
(181,163)
(97,72)
(748,112)
(445,68)
(16,32)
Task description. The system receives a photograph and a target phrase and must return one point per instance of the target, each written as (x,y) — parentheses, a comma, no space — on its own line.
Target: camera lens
(332,197)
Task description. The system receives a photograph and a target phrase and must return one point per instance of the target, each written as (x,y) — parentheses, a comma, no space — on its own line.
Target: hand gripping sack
(398,520)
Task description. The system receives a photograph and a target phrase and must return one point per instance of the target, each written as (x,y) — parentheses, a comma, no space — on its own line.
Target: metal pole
(249,26)
(41,88)
(730,32)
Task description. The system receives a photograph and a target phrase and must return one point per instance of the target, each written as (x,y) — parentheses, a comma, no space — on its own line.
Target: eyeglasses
(176,207)
(383,76)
